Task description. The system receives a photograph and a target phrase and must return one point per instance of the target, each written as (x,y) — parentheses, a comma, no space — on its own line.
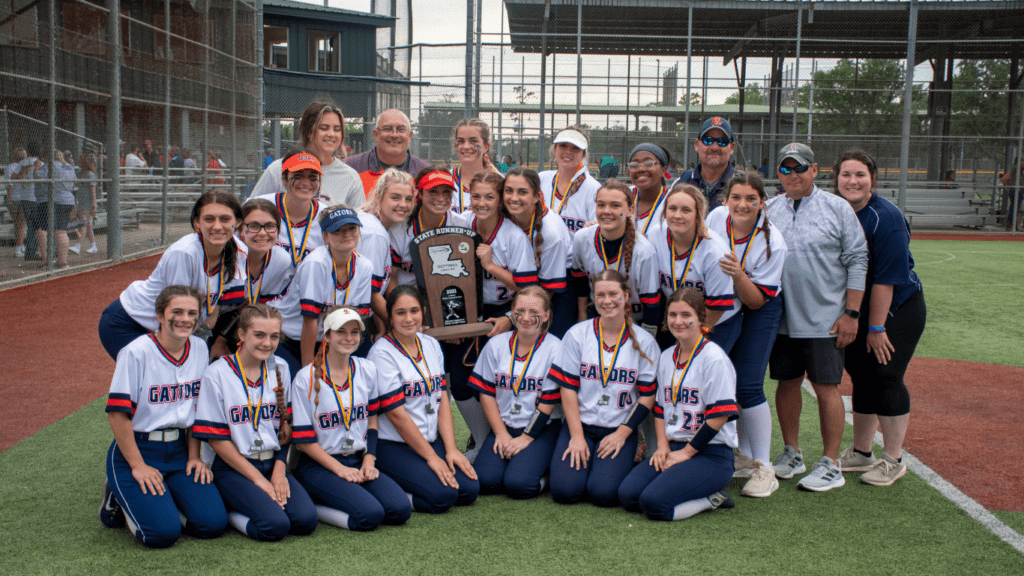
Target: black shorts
(818,358)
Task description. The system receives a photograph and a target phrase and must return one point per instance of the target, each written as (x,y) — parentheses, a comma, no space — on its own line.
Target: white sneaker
(93,249)
(762,481)
(851,461)
(824,476)
(742,464)
(789,463)
(19,252)
(77,248)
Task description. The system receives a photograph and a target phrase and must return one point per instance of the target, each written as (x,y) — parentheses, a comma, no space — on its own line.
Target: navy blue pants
(155,517)
(519,477)
(725,333)
(368,505)
(563,312)
(459,359)
(753,347)
(267,521)
(117,328)
(401,463)
(658,493)
(601,477)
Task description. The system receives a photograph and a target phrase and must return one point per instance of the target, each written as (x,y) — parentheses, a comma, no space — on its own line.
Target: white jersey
(340,184)
(183,263)
(752,250)
(646,222)
(461,201)
(315,290)
(245,413)
(579,208)
(375,245)
(155,389)
(338,420)
(14,189)
(27,167)
(708,390)
(519,386)
(511,250)
(417,385)
(589,260)
(556,252)
(402,233)
(270,284)
(677,268)
(298,240)
(582,362)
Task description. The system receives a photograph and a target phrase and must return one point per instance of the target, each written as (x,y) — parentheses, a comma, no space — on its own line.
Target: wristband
(876,329)
(371,442)
(703,437)
(537,424)
(636,416)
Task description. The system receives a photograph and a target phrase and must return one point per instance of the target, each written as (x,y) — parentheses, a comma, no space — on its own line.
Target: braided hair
(246,315)
(753,179)
(533,181)
(629,238)
(614,276)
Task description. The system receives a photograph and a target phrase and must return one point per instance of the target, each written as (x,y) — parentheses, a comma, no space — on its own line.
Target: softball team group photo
(274,371)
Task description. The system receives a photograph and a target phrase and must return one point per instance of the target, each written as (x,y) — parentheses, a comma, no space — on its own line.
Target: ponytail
(319,363)
(284,434)
(538,217)
(628,240)
(766,231)
(632,338)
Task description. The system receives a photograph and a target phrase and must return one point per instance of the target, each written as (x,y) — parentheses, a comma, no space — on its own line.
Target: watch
(855,314)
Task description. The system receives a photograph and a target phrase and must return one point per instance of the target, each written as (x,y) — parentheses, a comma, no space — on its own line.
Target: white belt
(262,455)
(166,435)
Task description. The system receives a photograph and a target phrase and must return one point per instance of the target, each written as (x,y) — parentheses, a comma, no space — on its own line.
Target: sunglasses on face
(709,140)
(645,164)
(798,169)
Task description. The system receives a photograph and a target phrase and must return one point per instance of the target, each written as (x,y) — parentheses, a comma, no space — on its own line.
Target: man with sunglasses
(714,146)
(823,284)
(391,137)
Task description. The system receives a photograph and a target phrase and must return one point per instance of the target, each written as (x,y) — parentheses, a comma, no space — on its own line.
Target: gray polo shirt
(827,256)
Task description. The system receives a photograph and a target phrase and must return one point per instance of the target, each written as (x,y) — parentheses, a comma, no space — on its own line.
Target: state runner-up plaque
(447,268)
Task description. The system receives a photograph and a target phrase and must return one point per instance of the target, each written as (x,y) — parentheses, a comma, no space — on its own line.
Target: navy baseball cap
(335,219)
(716,122)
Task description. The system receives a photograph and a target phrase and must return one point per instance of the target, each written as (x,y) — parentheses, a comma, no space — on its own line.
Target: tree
(980,110)
(752,96)
(694,99)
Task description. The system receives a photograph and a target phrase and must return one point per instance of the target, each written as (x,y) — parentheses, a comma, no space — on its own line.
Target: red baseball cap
(302,161)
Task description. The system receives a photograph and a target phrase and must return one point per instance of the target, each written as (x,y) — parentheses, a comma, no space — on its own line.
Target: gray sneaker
(887,471)
(824,476)
(742,465)
(851,461)
(789,463)
(721,499)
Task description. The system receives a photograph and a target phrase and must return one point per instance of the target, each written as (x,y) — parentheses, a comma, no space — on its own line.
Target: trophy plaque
(447,268)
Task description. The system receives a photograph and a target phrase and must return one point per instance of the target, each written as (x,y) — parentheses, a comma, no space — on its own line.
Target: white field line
(963,501)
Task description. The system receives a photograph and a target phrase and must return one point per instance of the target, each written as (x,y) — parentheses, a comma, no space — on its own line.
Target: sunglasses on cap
(799,169)
(709,140)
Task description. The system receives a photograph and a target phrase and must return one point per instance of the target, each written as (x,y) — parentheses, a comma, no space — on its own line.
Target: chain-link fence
(115,115)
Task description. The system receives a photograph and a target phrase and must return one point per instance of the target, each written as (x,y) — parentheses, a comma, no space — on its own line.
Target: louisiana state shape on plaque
(446,267)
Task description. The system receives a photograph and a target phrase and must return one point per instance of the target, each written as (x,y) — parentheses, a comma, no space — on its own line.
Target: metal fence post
(51,148)
(686,97)
(164,216)
(908,93)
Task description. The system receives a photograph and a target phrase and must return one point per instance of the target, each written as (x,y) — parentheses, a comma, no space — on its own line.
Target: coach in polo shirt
(714,146)
(392,137)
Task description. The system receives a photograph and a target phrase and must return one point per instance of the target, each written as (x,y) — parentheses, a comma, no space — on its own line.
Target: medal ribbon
(251,296)
(526,366)
(732,241)
(457,173)
(676,283)
(348,284)
(576,183)
(208,300)
(604,258)
(296,255)
(654,209)
(346,415)
(677,386)
(606,374)
(426,377)
(245,385)
(417,225)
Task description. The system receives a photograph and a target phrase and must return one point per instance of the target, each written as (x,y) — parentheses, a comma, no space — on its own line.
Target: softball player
(647,164)
(688,255)
(570,190)
(390,202)
(332,275)
(417,439)
(754,262)
(614,245)
(335,404)
(243,414)
(608,380)
(471,141)
(153,466)
(696,407)
(550,240)
(518,400)
(299,205)
(209,261)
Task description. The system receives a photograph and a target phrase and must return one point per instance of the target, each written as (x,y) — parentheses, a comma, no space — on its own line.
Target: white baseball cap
(572,137)
(341,316)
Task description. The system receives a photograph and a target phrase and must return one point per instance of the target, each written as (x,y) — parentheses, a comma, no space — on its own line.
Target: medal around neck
(448,270)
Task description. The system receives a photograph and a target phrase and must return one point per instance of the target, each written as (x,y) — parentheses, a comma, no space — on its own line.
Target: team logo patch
(716,121)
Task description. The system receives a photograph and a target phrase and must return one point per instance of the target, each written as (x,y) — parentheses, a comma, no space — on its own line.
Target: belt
(165,435)
(261,455)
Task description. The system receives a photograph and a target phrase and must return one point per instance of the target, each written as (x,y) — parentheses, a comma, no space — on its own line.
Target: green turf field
(51,483)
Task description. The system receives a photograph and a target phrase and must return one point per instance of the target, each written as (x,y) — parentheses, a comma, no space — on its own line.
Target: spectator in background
(176,164)
(134,163)
(715,145)
(1014,201)
(763,170)
(214,169)
(188,164)
(63,204)
(151,156)
(27,172)
(268,159)
(13,200)
(609,167)
(85,203)
(392,136)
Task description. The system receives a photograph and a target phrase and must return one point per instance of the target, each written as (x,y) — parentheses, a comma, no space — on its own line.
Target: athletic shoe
(77,248)
(93,249)
(851,461)
(19,252)
(111,514)
(824,476)
(789,463)
(742,464)
(721,499)
(887,471)
(762,481)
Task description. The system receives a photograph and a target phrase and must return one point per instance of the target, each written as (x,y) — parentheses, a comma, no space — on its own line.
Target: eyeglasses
(645,164)
(388,128)
(255,227)
(709,140)
(799,169)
